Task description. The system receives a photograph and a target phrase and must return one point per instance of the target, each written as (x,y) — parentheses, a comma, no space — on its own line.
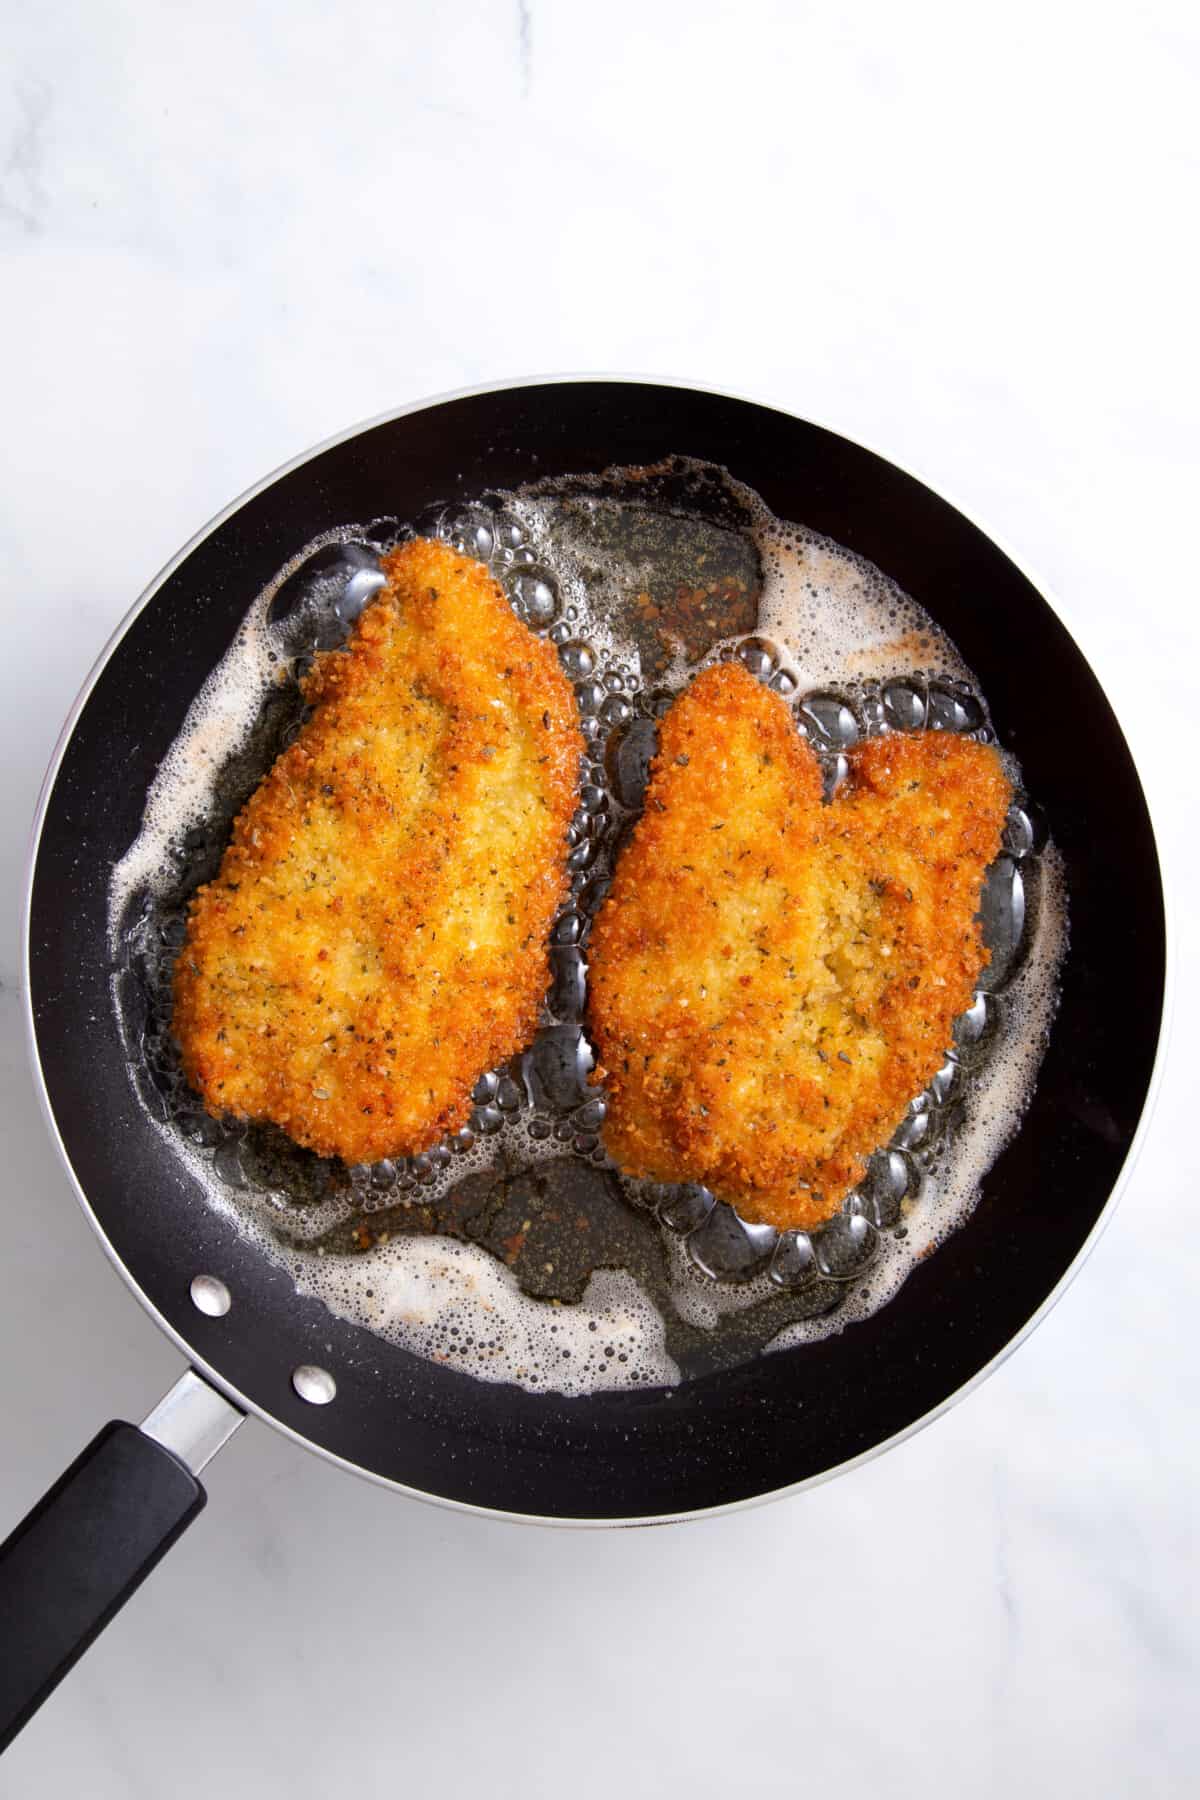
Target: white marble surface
(962,234)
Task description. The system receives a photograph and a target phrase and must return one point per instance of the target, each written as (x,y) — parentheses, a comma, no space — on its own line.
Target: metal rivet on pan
(210,1295)
(315,1385)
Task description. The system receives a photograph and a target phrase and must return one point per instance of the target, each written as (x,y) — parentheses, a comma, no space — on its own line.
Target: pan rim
(226,1387)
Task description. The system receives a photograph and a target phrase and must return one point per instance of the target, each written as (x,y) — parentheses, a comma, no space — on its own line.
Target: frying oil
(471,1253)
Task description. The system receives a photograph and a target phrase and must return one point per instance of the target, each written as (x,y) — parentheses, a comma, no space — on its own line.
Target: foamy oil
(516,1250)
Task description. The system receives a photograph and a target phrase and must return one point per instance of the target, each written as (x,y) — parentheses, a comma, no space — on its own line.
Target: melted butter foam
(455,1304)
(217,725)
(838,618)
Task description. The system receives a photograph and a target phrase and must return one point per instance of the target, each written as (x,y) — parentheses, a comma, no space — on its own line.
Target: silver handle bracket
(193,1421)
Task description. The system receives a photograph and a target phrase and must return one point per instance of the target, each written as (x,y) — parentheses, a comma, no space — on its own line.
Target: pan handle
(72,1563)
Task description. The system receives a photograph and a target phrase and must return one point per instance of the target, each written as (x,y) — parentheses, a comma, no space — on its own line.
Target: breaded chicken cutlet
(377,934)
(771,979)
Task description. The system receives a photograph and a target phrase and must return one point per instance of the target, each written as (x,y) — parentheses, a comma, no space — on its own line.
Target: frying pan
(742,1434)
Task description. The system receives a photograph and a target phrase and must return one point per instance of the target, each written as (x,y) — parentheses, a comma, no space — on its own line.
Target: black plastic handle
(70,1566)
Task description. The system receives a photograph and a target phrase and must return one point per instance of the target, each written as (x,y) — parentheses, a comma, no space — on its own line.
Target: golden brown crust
(772,980)
(377,933)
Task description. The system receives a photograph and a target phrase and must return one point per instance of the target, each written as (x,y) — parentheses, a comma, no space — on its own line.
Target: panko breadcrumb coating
(377,934)
(772,980)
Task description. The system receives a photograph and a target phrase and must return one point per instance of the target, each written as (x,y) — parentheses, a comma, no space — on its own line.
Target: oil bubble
(534,594)
(759,657)
(830,722)
(726,1248)
(470,533)
(685,1206)
(793,1261)
(578,660)
(951,710)
(903,706)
